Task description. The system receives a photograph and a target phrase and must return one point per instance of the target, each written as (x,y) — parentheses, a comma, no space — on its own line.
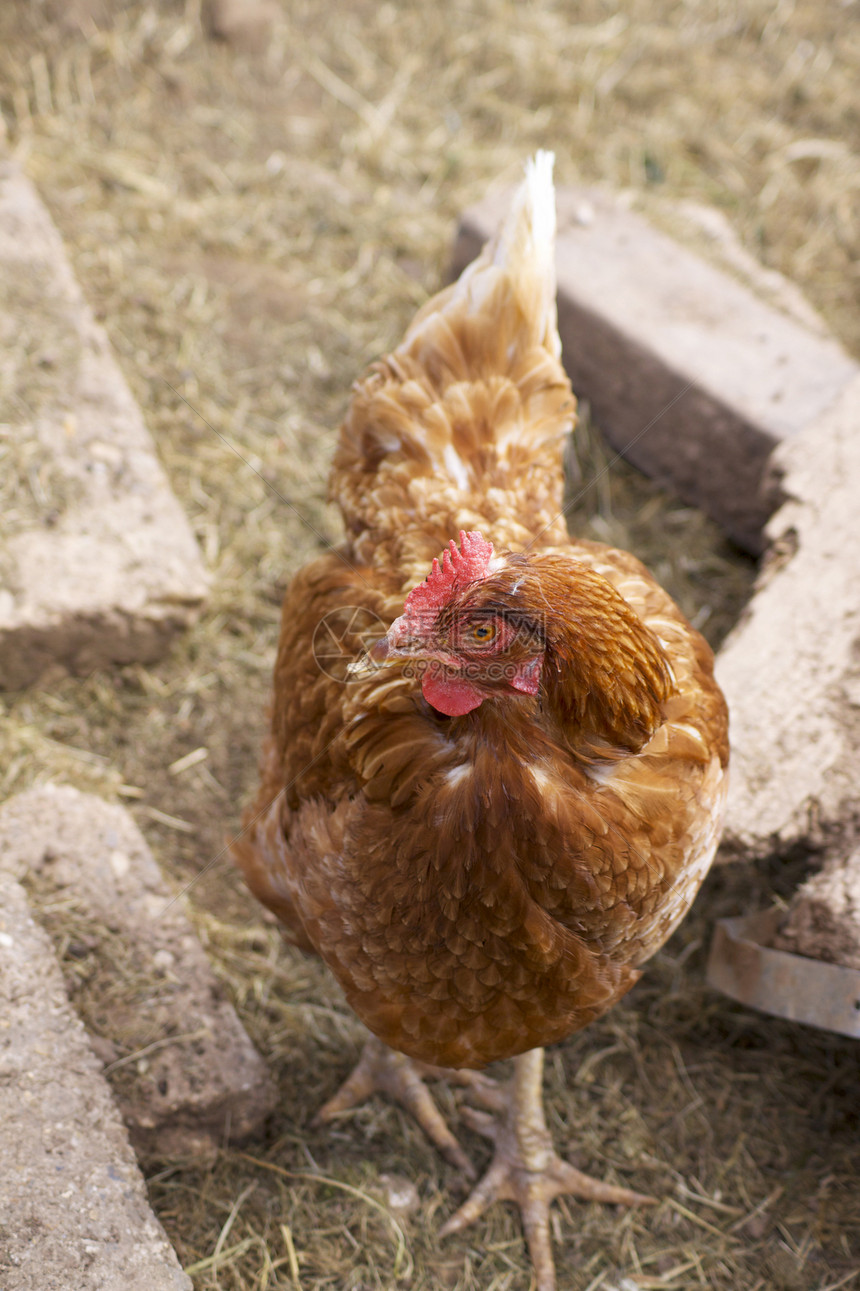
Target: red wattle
(450,695)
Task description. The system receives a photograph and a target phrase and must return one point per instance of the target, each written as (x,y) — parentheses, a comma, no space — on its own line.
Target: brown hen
(489,820)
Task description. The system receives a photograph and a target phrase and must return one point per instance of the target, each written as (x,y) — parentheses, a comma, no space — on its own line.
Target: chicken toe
(527,1170)
(383,1070)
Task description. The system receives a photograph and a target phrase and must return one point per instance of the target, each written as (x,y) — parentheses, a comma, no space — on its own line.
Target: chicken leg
(383,1070)
(527,1170)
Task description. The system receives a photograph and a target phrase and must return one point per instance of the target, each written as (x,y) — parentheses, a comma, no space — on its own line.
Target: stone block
(690,374)
(183,1070)
(98,564)
(74,1214)
(790,669)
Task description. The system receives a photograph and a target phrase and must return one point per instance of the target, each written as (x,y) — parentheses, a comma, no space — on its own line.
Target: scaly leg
(526,1169)
(383,1070)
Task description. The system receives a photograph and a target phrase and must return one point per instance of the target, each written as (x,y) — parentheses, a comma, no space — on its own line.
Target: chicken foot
(527,1170)
(384,1070)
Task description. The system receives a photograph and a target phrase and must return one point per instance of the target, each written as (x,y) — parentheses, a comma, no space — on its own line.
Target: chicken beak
(398,643)
(379,651)
(372,659)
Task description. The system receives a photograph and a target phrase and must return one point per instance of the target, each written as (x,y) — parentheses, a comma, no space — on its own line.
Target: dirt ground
(253,227)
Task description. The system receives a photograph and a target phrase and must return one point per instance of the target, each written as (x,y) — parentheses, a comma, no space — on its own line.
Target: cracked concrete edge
(107,570)
(790,668)
(202,1081)
(74,1214)
(823,919)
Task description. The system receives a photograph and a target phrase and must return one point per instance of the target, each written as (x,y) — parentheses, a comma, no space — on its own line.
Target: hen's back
(462,426)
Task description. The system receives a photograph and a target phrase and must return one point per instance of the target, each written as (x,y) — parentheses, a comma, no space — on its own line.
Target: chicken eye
(483,632)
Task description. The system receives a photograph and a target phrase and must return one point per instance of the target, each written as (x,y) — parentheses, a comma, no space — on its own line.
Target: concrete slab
(74,1214)
(185,1075)
(790,669)
(98,564)
(690,374)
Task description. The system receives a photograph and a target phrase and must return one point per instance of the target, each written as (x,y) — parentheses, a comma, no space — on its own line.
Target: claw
(382,1070)
(526,1169)
(480,1122)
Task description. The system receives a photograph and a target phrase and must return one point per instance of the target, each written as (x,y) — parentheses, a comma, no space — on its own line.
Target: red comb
(457,570)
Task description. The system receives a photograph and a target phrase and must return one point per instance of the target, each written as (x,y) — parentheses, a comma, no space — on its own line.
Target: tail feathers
(524,246)
(522,251)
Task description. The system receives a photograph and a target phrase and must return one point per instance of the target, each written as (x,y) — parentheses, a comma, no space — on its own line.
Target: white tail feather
(527,233)
(524,244)
(523,248)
